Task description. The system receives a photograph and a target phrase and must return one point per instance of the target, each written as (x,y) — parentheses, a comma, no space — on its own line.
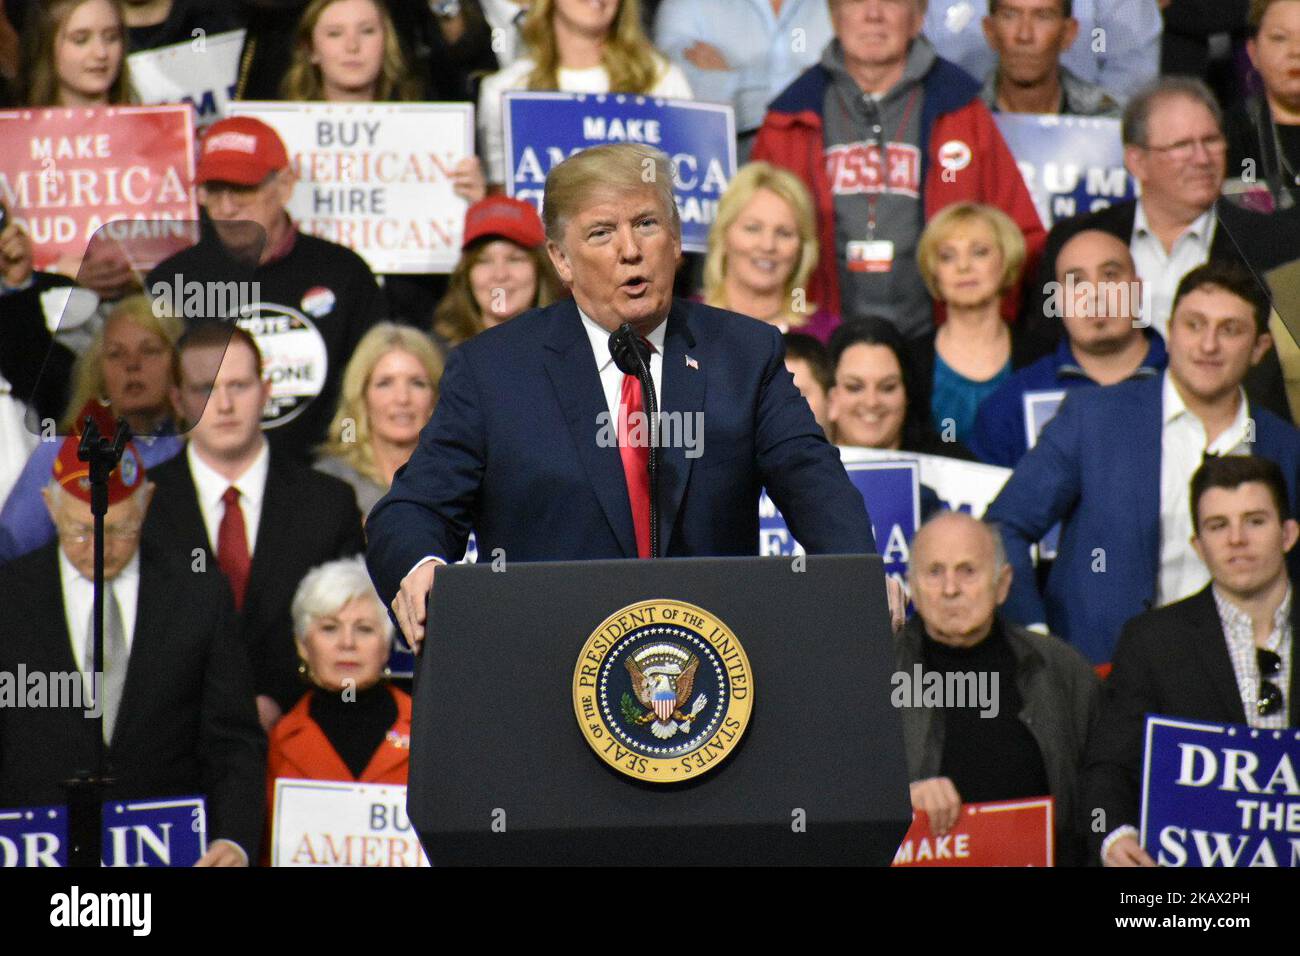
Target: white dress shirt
(211,485)
(503,16)
(79,598)
(1161,272)
(1182,448)
(611,378)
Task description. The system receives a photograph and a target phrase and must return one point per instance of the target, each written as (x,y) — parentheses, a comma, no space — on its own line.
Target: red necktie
(636,458)
(232,546)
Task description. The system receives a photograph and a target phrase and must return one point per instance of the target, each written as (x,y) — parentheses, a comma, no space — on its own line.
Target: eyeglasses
(1185,149)
(1270,695)
(81,533)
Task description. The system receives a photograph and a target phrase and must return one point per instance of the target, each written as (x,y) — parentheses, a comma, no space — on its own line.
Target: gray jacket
(1060,695)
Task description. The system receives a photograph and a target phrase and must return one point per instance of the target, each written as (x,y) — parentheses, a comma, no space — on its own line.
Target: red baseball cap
(508,218)
(73,474)
(240,150)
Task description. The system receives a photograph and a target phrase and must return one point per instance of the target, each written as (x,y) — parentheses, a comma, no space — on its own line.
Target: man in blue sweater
(1115,463)
(1098,296)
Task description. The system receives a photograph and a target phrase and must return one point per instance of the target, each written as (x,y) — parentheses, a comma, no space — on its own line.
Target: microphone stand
(632,358)
(86,790)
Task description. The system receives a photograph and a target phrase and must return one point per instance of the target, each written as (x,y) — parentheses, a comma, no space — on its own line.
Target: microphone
(632,356)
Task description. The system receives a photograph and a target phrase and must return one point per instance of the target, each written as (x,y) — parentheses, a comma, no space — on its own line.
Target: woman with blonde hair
(74,54)
(970,256)
(762,250)
(503,271)
(389,390)
(131,372)
(577,46)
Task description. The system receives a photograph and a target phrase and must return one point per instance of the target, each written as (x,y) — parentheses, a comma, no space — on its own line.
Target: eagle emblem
(663,676)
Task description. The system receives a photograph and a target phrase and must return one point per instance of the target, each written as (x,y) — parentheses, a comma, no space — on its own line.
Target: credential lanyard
(882,148)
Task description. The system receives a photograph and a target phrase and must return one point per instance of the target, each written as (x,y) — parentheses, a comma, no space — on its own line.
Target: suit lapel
(572,369)
(150,626)
(277,500)
(683,390)
(1212,655)
(184,501)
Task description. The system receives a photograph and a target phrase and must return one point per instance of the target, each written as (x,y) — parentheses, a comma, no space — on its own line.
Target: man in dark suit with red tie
(525,446)
(253,514)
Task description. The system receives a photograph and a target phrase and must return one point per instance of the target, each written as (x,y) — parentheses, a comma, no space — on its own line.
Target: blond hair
(748,181)
(950,218)
(302,80)
(39,80)
(616,167)
(88,373)
(628,56)
(383,338)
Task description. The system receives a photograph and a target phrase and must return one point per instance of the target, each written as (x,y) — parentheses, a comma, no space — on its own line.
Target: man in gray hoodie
(885,133)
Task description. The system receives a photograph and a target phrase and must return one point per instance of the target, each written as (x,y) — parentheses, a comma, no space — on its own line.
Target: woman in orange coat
(352,725)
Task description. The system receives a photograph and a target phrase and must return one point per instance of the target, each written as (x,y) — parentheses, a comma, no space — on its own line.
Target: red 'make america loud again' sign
(1011,833)
(64,173)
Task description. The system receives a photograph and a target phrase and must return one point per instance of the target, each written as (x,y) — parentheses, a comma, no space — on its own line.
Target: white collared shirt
(611,377)
(1161,272)
(79,598)
(1182,449)
(211,485)
(507,36)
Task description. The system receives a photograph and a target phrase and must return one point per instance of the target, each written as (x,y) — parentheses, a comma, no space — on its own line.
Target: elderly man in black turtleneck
(1026,702)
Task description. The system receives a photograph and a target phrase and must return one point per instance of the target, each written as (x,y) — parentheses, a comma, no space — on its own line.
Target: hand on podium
(411,601)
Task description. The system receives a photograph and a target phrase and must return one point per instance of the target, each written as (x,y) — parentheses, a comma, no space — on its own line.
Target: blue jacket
(1096,469)
(999,437)
(513,452)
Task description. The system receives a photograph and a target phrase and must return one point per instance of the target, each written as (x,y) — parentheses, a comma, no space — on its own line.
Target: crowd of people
(878,220)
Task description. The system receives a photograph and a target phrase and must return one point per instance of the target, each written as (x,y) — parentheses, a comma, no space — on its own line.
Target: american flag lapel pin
(691,363)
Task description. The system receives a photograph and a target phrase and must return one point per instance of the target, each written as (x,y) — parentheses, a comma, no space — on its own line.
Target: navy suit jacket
(1096,469)
(512,452)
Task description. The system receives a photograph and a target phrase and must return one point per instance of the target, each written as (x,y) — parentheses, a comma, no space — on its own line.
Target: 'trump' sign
(1071,164)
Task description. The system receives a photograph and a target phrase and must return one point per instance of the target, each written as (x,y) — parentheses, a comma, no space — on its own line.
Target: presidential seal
(663,691)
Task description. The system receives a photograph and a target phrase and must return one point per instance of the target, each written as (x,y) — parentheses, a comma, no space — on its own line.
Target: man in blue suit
(519,447)
(1114,466)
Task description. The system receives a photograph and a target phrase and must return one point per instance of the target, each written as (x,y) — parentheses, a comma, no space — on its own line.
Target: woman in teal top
(970,256)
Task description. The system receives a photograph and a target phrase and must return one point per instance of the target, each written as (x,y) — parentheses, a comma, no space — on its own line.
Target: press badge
(870,255)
